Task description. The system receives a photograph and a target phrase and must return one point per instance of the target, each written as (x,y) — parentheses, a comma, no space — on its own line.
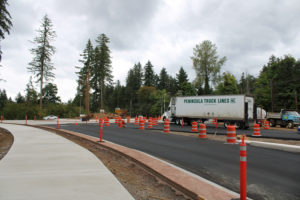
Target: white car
(50,117)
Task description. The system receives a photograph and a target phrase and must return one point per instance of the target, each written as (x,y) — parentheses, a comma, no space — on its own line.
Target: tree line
(144,91)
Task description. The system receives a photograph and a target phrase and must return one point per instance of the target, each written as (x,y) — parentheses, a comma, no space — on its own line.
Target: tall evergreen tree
(41,65)
(84,75)
(5,21)
(182,79)
(207,64)
(163,79)
(31,95)
(149,76)
(101,71)
(50,94)
(3,99)
(133,83)
(19,98)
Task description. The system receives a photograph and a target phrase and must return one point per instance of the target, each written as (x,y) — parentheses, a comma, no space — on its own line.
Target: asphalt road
(272,174)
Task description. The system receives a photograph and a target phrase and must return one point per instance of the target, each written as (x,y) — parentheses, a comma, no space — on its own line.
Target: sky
(162,31)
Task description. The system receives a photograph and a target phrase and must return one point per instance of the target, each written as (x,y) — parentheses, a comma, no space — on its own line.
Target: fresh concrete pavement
(42,165)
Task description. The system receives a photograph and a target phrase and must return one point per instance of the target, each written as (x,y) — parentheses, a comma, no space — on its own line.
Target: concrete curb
(187,184)
(283,147)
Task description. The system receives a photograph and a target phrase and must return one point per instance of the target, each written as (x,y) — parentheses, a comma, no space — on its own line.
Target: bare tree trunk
(101,96)
(87,93)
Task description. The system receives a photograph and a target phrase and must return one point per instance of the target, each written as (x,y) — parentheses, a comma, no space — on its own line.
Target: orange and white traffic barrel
(194,126)
(231,135)
(214,121)
(150,122)
(142,124)
(116,120)
(202,131)
(128,120)
(167,126)
(136,121)
(120,124)
(266,125)
(106,121)
(256,130)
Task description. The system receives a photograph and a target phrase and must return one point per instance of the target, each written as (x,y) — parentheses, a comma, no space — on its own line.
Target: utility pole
(296,100)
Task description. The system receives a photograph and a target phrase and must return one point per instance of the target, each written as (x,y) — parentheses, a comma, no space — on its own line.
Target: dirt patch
(141,184)
(6,140)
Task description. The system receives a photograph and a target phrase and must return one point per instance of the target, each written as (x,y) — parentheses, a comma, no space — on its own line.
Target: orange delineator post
(150,122)
(1,118)
(142,124)
(136,121)
(182,123)
(57,123)
(256,130)
(202,131)
(167,126)
(266,125)
(194,126)
(101,129)
(231,135)
(243,170)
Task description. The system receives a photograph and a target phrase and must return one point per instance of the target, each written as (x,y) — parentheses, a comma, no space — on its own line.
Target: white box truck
(230,109)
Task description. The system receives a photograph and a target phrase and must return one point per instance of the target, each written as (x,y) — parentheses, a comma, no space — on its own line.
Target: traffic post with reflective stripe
(243,170)
(57,123)
(101,129)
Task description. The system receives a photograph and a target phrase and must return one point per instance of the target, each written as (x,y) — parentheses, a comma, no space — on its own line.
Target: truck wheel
(177,121)
(164,118)
(290,125)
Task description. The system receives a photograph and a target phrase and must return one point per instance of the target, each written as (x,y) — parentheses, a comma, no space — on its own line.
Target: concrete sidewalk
(42,165)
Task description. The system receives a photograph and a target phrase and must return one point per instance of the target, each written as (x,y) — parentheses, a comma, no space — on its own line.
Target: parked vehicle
(260,115)
(49,117)
(230,109)
(286,118)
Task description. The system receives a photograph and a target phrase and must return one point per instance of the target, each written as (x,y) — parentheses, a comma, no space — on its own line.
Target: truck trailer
(230,109)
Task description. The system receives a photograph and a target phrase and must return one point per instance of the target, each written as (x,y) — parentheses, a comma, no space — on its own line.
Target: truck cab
(290,118)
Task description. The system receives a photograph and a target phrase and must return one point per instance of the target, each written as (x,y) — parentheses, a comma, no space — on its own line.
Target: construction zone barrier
(106,121)
(231,135)
(121,122)
(194,126)
(128,120)
(243,170)
(142,124)
(214,121)
(150,122)
(154,121)
(167,126)
(266,125)
(256,130)
(136,121)
(116,120)
(202,131)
